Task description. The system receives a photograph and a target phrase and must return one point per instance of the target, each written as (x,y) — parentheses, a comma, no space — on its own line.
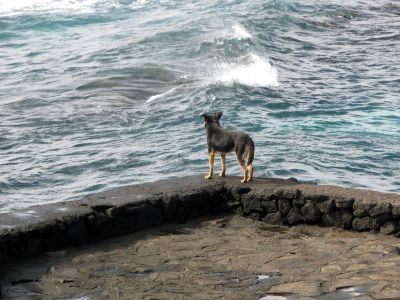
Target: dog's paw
(221,175)
(243,180)
(208,177)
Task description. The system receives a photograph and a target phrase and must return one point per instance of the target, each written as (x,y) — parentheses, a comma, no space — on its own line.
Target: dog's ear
(204,115)
(218,115)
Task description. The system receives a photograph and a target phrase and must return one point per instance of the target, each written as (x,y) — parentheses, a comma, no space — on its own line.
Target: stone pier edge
(128,209)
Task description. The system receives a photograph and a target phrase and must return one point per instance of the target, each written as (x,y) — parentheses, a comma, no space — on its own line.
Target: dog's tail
(250,152)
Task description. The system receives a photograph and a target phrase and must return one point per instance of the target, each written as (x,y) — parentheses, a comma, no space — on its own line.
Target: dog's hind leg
(223,167)
(244,168)
(251,169)
(211,156)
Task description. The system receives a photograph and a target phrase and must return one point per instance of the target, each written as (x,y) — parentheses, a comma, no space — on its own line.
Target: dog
(220,141)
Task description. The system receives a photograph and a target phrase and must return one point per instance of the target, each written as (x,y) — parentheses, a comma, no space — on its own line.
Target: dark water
(101,93)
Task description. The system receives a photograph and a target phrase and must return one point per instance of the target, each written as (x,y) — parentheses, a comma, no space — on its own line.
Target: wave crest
(252,71)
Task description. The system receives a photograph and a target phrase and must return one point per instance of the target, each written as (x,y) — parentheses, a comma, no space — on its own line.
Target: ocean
(96,94)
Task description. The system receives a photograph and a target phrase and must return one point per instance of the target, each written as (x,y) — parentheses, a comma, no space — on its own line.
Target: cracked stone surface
(220,257)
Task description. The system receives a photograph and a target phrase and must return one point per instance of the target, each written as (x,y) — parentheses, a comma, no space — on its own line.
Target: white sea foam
(16,7)
(158,96)
(239,32)
(253,71)
(234,32)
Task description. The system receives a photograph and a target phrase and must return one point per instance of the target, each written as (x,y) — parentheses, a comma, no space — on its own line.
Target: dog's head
(211,119)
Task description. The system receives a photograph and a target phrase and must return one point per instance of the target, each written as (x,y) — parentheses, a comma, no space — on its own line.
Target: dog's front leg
(223,168)
(211,156)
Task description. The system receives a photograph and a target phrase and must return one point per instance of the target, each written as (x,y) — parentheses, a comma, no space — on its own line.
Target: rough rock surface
(220,257)
(129,209)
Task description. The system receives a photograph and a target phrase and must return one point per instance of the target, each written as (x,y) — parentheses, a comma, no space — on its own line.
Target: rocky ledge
(132,208)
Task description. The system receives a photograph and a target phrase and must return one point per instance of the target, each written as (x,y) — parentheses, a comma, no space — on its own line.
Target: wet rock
(273,218)
(326,206)
(284,205)
(384,208)
(294,216)
(310,212)
(366,223)
(390,227)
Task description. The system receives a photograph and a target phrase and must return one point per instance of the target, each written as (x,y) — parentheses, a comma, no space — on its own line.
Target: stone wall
(128,209)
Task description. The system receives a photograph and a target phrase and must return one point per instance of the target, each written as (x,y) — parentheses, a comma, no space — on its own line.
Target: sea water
(96,94)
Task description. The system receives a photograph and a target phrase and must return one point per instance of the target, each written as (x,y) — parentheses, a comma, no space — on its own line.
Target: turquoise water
(96,94)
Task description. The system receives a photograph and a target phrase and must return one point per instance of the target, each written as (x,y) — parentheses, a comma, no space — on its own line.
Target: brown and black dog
(221,141)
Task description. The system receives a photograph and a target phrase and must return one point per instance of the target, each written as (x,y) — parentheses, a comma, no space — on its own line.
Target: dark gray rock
(99,225)
(346,219)
(396,211)
(338,218)
(170,204)
(310,212)
(251,202)
(332,218)
(284,205)
(194,198)
(344,203)
(299,202)
(234,194)
(270,206)
(362,208)
(390,227)
(239,211)
(273,218)
(365,223)
(255,216)
(326,206)
(288,194)
(384,208)
(78,232)
(382,219)
(147,216)
(294,216)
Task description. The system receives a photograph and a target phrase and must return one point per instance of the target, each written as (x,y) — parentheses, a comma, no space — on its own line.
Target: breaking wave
(253,71)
